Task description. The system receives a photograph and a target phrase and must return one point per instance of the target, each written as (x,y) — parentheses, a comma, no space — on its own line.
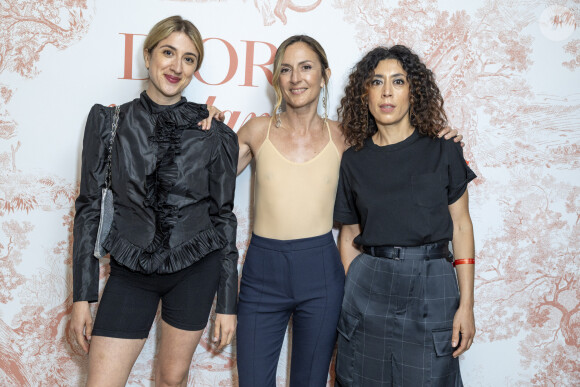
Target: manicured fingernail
(454,344)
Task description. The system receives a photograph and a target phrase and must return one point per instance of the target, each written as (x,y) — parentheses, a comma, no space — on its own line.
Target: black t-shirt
(400,193)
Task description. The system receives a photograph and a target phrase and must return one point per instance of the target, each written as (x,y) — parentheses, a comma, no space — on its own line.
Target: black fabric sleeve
(222,184)
(459,172)
(344,206)
(88,205)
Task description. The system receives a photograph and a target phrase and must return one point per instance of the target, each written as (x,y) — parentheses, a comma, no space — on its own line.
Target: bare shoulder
(337,135)
(253,132)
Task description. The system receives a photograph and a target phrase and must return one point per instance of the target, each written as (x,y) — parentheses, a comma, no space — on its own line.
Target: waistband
(292,244)
(424,252)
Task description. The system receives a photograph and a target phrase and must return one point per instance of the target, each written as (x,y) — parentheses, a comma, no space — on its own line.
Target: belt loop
(372,248)
(397,253)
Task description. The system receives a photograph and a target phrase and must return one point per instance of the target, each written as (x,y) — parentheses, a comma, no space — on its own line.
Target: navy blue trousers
(302,278)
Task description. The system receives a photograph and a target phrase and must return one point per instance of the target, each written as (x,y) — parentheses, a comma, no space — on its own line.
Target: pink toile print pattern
(34,347)
(521,136)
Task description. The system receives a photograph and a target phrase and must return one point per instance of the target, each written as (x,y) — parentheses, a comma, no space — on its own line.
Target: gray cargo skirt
(396,321)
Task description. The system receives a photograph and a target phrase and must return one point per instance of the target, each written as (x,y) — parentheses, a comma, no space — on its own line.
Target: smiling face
(171,63)
(389,94)
(301,77)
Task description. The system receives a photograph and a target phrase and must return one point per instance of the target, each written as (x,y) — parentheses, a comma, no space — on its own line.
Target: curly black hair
(426,112)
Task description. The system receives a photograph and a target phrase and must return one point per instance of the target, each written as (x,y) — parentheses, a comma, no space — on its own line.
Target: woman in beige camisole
(292,266)
(297,156)
(292,199)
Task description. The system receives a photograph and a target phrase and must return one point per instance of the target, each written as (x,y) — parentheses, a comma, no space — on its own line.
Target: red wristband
(469,261)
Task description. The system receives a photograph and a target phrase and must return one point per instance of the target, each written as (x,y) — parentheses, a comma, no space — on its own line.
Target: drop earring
(278,120)
(324,104)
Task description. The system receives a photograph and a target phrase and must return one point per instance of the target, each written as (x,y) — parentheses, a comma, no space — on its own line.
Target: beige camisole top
(294,200)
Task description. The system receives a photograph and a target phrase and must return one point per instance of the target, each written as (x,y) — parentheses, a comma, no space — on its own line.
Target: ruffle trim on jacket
(169,126)
(138,259)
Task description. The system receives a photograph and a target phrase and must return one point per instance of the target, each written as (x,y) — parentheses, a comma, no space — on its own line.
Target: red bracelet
(470,261)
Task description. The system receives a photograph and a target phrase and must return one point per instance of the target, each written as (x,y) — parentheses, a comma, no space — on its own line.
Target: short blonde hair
(172,24)
(315,46)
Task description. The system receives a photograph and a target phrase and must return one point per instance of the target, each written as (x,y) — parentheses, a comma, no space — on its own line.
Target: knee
(171,377)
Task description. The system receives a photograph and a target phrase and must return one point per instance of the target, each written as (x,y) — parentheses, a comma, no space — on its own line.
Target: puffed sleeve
(345,206)
(459,172)
(88,205)
(222,184)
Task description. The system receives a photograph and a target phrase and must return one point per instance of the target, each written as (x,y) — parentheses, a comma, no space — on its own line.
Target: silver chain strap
(110,156)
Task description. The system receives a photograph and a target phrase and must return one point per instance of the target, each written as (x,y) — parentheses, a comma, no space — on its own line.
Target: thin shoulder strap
(114,125)
(269,125)
(328,128)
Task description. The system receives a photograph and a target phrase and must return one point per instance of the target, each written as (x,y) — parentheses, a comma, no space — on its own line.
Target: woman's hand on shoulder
(81,324)
(214,112)
(447,133)
(224,330)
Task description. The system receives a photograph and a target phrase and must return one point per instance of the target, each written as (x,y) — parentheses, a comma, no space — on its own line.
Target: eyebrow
(175,49)
(392,75)
(304,61)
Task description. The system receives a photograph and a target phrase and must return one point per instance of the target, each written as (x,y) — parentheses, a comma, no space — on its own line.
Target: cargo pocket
(444,368)
(347,345)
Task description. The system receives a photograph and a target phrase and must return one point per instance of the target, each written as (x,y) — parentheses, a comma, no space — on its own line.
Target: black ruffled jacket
(173,187)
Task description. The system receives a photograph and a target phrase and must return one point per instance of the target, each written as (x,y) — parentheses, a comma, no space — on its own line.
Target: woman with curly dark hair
(402,196)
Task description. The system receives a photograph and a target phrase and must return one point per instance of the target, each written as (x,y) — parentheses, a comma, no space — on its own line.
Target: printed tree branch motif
(7,126)
(11,247)
(7,129)
(27,192)
(527,282)
(473,57)
(27,27)
(38,351)
(573,48)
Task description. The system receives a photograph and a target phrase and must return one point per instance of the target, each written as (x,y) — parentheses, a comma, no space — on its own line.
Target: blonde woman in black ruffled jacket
(173,233)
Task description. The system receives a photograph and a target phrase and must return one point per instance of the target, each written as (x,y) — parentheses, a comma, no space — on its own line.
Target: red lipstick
(172,79)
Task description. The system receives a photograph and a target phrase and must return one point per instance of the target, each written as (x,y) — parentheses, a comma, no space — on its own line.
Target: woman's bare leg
(176,350)
(111,360)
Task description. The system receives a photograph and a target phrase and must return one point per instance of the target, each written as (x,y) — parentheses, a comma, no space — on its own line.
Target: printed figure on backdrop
(169,228)
(270,12)
(292,267)
(402,196)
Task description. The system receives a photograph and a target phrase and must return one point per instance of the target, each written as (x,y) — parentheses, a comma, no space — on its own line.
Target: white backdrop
(509,71)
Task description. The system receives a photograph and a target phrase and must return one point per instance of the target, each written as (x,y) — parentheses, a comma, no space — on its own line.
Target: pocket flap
(347,325)
(442,341)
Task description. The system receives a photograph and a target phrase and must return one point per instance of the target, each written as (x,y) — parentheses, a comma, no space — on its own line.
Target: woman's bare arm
(463,248)
(348,250)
